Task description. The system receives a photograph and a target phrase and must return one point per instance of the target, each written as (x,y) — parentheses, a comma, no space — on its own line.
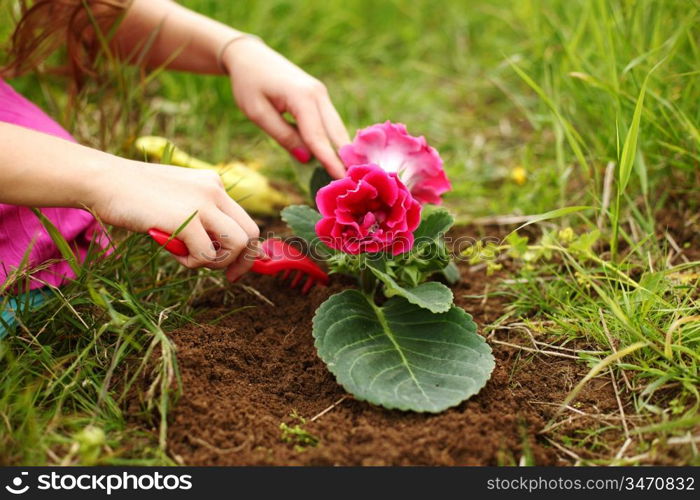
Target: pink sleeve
(20,230)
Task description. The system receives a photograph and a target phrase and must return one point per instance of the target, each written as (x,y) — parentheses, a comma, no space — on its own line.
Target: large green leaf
(431,295)
(401,356)
(435,221)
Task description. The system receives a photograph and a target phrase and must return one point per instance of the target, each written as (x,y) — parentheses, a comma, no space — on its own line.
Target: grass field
(534,105)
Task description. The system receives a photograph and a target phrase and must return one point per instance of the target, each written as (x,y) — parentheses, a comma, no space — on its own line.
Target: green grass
(563,89)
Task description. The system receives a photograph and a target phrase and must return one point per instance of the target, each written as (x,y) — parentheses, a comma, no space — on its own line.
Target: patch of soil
(248,373)
(680,226)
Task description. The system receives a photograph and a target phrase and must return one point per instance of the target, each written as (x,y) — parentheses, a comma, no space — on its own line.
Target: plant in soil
(397,340)
(296,434)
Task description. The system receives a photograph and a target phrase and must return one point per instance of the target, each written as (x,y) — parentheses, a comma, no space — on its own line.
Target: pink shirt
(20,230)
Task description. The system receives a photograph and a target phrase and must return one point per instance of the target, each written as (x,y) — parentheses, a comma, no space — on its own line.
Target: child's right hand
(139,196)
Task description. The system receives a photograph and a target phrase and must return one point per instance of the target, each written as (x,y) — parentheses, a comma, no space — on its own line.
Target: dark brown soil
(257,368)
(680,225)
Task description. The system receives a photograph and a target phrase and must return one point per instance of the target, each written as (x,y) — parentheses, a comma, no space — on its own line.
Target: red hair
(45,25)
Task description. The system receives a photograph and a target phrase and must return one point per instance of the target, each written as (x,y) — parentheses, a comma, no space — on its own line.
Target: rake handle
(167,241)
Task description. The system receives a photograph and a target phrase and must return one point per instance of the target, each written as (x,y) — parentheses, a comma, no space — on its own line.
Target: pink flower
(369,210)
(389,145)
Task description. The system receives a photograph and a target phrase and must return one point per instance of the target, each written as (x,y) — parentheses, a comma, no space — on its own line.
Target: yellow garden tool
(249,188)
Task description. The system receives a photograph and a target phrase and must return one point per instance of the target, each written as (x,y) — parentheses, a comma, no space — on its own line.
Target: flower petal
(326,198)
(392,148)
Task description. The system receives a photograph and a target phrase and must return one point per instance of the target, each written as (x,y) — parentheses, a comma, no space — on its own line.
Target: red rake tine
(279,257)
(286,258)
(308,285)
(297,279)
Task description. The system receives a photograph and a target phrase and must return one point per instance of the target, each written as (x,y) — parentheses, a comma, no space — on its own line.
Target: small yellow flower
(519,175)
(493,267)
(566,236)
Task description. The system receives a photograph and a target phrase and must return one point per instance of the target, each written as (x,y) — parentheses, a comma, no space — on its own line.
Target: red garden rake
(280,258)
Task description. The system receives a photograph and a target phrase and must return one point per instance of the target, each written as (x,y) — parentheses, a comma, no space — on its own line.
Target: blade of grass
(552,214)
(60,242)
(626,162)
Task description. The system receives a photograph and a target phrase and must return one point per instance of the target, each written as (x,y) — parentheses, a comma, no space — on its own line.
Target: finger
(231,239)
(237,213)
(334,124)
(314,134)
(199,244)
(244,261)
(269,119)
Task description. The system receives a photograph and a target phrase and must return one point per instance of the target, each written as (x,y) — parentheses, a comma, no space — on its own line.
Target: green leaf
(629,148)
(409,275)
(302,219)
(584,243)
(320,178)
(435,222)
(451,273)
(627,157)
(401,356)
(432,295)
(518,245)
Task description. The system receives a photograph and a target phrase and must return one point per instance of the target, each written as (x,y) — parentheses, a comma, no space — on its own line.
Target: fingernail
(302,155)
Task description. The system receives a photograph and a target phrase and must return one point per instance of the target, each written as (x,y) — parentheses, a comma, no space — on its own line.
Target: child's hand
(265,85)
(139,196)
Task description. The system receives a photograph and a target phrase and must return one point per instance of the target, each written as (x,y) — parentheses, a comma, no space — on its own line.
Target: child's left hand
(266,85)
